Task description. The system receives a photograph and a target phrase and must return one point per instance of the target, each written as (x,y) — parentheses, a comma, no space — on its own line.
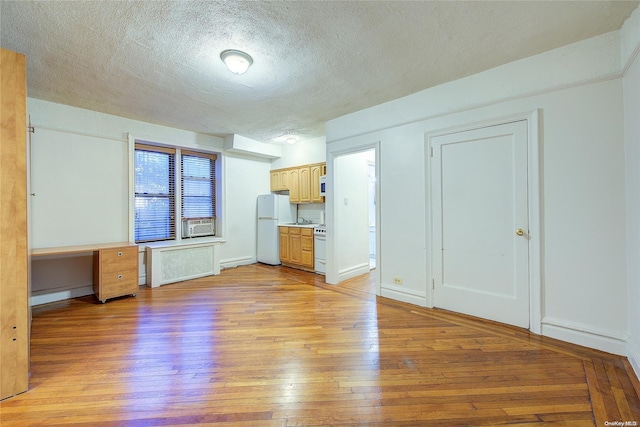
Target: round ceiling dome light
(237,61)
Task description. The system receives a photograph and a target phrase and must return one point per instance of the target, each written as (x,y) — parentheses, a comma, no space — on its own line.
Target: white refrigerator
(273,209)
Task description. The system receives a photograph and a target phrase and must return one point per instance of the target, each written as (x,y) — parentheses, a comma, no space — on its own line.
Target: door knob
(520,232)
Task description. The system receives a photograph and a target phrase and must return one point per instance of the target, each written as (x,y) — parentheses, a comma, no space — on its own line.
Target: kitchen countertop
(291,224)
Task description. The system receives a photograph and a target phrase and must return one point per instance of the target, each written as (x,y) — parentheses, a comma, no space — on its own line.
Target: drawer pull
(119,276)
(119,253)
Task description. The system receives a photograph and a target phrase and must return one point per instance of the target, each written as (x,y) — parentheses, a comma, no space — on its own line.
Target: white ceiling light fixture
(289,137)
(237,61)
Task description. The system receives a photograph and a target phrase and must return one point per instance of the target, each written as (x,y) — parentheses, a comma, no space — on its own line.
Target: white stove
(320,230)
(320,248)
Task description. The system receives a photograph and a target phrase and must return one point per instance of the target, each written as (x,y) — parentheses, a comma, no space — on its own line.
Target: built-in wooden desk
(115,266)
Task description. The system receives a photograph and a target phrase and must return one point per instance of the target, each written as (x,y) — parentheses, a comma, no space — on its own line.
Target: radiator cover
(170,263)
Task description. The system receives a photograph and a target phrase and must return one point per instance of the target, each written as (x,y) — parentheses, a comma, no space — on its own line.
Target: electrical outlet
(397,280)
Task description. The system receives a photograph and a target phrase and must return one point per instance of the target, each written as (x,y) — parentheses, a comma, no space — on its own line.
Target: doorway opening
(354,204)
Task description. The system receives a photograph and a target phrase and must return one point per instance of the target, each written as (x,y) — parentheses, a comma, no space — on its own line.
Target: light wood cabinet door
(284,244)
(295,246)
(14,278)
(284,180)
(294,182)
(316,172)
(306,248)
(305,184)
(275,181)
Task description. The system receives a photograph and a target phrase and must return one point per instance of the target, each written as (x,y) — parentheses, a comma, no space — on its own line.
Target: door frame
(333,273)
(534,201)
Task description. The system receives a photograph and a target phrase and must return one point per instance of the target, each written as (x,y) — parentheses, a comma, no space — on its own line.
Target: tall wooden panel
(14,303)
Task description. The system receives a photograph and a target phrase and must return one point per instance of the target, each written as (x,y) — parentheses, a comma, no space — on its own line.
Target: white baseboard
(235,262)
(59,294)
(405,295)
(634,358)
(577,333)
(355,271)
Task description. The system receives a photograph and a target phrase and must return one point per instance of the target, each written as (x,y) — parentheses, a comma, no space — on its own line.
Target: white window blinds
(154,193)
(198,185)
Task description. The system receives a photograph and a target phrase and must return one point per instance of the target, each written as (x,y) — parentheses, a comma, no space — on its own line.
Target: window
(156,215)
(198,189)
(154,194)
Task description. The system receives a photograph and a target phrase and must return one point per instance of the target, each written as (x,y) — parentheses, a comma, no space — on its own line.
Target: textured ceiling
(158,61)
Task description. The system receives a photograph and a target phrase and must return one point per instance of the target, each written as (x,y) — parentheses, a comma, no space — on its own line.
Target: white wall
(81,189)
(578,90)
(75,149)
(631,89)
(302,153)
(244,181)
(593,59)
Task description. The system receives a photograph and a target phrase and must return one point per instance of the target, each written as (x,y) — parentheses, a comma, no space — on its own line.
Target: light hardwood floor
(270,346)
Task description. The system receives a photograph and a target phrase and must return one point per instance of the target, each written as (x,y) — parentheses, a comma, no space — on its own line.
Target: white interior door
(480,223)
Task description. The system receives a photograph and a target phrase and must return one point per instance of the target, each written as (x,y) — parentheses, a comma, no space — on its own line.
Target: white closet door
(480,223)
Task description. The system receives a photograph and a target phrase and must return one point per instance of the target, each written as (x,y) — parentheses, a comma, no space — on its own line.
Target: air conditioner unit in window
(198,227)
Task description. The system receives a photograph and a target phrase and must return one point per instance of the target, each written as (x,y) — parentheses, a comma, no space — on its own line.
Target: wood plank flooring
(270,346)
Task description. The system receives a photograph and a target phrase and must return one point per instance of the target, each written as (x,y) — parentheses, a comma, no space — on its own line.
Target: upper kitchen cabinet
(316,172)
(280,180)
(275,182)
(302,182)
(294,186)
(304,187)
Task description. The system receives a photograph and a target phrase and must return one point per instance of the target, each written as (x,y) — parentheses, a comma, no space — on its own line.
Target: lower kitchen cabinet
(306,250)
(296,247)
